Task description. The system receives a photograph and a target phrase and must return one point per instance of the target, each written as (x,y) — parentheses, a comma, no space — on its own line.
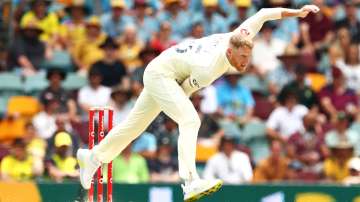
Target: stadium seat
(35,84)
(312,197)
(74,81)
(25,106)
(10,84)
(60,59)
(204,152)
(317,81)
(253,83)
(11,128)
(3,105)
(262,108)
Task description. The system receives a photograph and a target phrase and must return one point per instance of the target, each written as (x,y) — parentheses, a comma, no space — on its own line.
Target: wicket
(100,136)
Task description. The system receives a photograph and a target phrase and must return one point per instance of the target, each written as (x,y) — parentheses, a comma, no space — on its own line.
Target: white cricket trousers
(160,93)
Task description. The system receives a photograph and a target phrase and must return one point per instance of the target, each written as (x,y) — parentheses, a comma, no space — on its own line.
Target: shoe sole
(207,192)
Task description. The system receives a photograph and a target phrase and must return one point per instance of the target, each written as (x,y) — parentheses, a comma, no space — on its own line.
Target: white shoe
(88,166)
(200,188)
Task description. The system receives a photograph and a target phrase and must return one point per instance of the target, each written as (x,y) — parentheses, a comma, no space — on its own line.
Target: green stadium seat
(10,84)
(60,59)
(74,81)
(3,105)
(254,83)
(35,84)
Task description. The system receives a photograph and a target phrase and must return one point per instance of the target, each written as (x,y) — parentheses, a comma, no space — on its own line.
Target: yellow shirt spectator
(66,165)
(49,24)
(130,55)
(16,169)
(334,170)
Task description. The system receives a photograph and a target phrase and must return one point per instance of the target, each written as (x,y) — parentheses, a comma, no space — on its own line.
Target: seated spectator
(354,172)
(18,165)
(112,70)
(62,165)
(306,95)
(229,165)
(94,94)
(238,107)
(146,55)
(308,148)
(164,168)
(28,52)
(130,167)
(196,32)
(113,23)
(350,67)
(169,129)
(120,102)
(290,111)
(343,132)
(146,24)
(336,165)
(67,105)
(44,121)
(337,97)
(274,168)
(162,39)
(145,145)
(239,10)
(350,21)
(285,73)
(212,21)
(130,47)
(174,14)
(48,21)
(266,50)
(339,46)
(73,29)
(87,51)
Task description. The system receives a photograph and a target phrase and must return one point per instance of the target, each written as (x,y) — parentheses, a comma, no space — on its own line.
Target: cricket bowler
(169,80)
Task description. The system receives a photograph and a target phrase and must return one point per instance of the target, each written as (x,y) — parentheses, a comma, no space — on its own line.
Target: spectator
(274,168)
(44,121)
(164,168)
(336,165)
(300,86)
(290,111)
(338,47)
(62,164)
(229,165)
(350,21)
(87,51)
(239,11)
(196,32)
(337,97)
(130,47)
(55,91)
(354,172)
(112,70)
(73,29)
(28,52)
(169,129)
(146,55)
(113,23)
(145,145)
(308,147)
(350,67)
(211,20)
(120,102)
(343,132)
(175,15)
(146,24)
(239,106)
(316,30)
(48,21)
(94,94)
(284,74)
(162,40)
(130,167)
(18,165)
(266,50)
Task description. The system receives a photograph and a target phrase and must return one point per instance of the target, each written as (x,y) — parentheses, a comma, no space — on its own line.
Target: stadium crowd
(294,116)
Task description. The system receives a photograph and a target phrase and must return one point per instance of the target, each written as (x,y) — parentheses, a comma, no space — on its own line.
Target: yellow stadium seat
(318,81)
(204,152)
(25,191)
(11,128)
(357,199)
(25,106)
(313,196)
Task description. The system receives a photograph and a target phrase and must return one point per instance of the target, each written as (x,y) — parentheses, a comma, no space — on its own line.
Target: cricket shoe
(88,166)
(200,188)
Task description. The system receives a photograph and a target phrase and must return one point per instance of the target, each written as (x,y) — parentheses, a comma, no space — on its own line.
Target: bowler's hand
(305,10)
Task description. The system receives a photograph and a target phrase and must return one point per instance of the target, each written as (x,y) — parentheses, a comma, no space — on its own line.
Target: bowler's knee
(192,121)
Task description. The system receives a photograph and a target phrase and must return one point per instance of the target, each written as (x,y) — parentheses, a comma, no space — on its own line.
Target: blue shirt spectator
(145,144)
(287,29)
(234,98)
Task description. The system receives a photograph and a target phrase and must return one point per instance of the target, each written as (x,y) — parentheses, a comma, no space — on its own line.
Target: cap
(354,163)
(209,3)
(117,4)
(55,70)
(62,139)
(31,24)
(93,21)
(243,3)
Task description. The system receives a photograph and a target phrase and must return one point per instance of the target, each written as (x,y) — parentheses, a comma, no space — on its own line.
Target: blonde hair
(237,41)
